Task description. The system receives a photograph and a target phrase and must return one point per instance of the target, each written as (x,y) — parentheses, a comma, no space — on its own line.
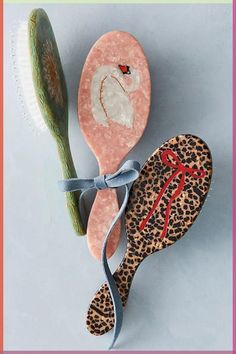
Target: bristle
(23,75)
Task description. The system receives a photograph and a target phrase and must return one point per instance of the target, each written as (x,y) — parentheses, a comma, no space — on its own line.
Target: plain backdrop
(181,298)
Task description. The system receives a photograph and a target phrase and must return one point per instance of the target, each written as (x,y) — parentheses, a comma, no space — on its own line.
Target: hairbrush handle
(100,315)
(104,210)
(72,198)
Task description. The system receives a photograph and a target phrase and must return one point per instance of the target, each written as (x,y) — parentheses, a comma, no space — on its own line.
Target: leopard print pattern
(193,153)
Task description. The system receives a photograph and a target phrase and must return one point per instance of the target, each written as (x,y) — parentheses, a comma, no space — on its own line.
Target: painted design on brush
(170,159)
(50,72)
(110,94)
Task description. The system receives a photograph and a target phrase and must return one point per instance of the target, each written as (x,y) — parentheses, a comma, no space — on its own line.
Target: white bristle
(23,75)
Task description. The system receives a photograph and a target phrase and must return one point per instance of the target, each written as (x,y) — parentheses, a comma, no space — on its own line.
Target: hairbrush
(40,72)
(163,203)
(113,108)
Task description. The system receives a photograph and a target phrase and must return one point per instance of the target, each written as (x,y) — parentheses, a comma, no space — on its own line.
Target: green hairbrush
(45,92)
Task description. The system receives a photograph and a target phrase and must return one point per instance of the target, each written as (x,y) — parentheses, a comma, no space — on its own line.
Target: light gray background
(181,297)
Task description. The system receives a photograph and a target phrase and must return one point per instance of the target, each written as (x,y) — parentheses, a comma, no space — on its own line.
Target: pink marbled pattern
(111,144)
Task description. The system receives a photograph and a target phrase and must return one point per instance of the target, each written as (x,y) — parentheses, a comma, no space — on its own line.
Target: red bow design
(180,168)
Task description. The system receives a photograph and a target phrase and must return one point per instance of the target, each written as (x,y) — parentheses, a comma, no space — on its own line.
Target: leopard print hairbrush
(163,203)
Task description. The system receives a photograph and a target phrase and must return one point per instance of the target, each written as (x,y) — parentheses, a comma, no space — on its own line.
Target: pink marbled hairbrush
(163,203)
(113,108)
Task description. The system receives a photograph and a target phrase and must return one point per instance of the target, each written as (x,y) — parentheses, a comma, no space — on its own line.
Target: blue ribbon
(126,175)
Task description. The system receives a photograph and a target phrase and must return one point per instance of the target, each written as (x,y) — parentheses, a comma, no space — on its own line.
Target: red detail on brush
(180,168)
(124,69)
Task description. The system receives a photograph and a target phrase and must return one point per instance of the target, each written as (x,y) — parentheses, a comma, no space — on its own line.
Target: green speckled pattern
(51,92)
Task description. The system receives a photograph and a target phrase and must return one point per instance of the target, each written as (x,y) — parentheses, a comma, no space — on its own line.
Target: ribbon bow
(180,169)
(127,174)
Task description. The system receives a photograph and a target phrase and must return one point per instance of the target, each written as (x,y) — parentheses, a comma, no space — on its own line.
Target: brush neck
(72,198)
(66,157)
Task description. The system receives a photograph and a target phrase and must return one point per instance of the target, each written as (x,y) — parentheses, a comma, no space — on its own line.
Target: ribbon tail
(116,299)
(83,210)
